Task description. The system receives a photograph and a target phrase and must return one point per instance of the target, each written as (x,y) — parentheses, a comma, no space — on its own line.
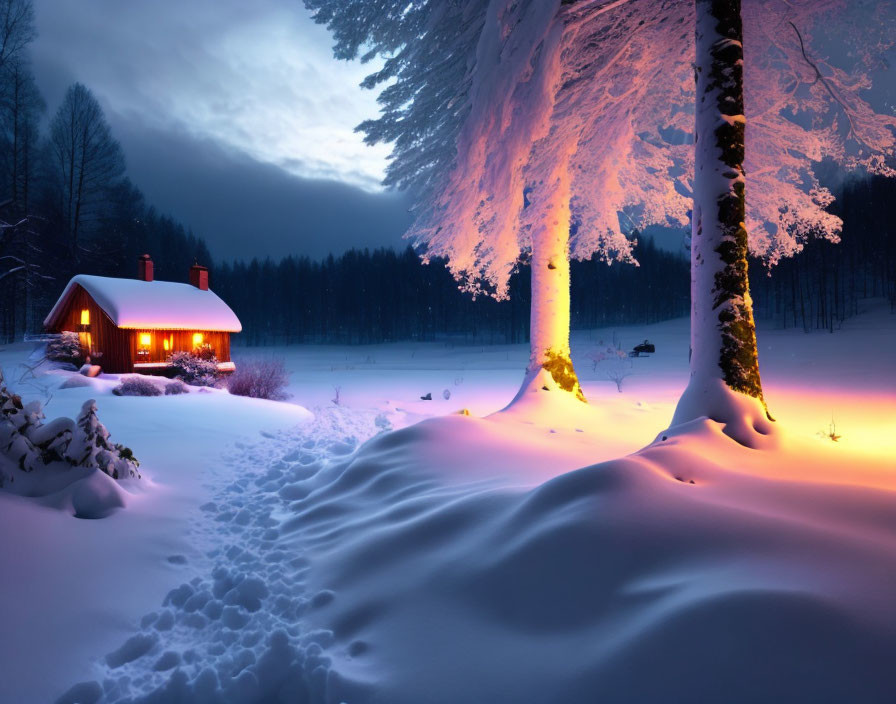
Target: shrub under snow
(611,362)
(260,378)
(137,386)
(66,347)
(193,370)
(27,444)
(176,387)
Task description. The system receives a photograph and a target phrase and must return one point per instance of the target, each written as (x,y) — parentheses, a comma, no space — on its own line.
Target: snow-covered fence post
(725,383)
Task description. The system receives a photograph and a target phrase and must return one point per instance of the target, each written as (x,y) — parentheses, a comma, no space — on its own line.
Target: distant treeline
(384,295)
(821,286)
(380,296)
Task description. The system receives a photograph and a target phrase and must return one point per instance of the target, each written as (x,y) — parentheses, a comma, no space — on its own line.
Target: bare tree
(16,28)
(21,107)
(86,160)
(20,110)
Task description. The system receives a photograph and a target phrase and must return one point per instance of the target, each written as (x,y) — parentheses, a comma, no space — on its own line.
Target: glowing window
(165,344)
(197,339)
(145,339)
(85,317)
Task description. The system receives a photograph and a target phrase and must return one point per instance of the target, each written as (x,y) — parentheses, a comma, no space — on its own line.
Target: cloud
(233,116)
(245,208)
(257,77)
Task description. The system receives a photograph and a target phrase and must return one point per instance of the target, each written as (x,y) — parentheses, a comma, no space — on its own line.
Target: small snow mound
(96,496)
(344,447)
(82,693)
(135,647)
(167,661)
(743,418)
(76,381)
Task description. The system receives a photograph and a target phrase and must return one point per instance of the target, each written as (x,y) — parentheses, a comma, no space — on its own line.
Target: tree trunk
(16,130)
(550,365)
(71,186)
(724,384)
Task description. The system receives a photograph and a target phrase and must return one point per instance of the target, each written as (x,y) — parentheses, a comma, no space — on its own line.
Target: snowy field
(269,554)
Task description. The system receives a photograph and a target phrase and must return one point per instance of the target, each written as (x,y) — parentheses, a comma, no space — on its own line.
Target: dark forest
(67,207)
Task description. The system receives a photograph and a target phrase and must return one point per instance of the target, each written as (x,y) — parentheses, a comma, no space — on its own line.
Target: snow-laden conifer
(92,447)
(29,444)
(15,445)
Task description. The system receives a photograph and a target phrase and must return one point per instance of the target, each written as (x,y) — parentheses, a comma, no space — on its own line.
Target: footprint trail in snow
(235,633)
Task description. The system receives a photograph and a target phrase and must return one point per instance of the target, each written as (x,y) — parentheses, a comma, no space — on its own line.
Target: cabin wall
(115,349)
(108,344)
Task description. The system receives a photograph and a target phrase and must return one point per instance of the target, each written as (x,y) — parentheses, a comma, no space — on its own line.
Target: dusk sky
(234,118)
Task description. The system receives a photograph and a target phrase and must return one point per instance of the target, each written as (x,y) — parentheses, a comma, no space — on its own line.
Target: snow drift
(468,558)
(693,570)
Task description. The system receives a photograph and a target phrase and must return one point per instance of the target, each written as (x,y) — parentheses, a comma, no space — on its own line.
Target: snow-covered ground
(463,558)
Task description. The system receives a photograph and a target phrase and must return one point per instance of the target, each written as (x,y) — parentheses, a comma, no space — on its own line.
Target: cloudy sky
(233,116)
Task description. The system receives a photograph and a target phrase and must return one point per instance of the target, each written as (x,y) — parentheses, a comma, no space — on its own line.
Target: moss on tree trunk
(738,357)
(559,366)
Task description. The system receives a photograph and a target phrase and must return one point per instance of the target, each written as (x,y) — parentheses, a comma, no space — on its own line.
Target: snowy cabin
(133,325)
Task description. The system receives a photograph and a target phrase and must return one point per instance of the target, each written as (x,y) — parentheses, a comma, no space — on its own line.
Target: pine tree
(14,444)
(91,447)
(52,439)
(92,439)
(29,444)
(87,163)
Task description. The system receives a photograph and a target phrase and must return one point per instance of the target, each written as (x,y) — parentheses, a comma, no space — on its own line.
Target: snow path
(235,631)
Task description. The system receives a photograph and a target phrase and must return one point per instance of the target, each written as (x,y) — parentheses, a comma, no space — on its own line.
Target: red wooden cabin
(134,325)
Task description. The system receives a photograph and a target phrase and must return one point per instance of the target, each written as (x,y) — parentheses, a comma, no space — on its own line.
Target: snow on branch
(504,114)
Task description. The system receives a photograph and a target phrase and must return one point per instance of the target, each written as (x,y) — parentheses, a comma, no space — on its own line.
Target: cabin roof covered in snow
(154,305)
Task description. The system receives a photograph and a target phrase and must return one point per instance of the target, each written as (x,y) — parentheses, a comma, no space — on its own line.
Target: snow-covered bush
(15,445)
(194,370)
(611,362)
(28,444)
(66,347)
(91,447)
(137,386)
(76,382)
(176,387)
(260,378)
(205,352)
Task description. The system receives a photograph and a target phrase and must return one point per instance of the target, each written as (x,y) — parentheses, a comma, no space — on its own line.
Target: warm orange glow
(197,339)
(165,344)
(145,339)
(85,317)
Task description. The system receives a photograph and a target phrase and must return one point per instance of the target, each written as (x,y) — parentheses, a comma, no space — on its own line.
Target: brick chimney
(199,276)
(144,268)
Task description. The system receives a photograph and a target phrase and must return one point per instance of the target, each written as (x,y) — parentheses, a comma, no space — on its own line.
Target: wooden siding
(109,344)
(115,349)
